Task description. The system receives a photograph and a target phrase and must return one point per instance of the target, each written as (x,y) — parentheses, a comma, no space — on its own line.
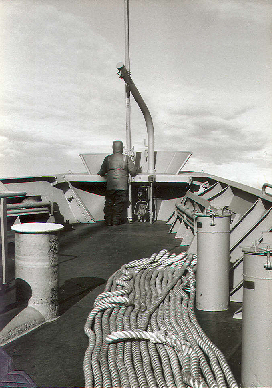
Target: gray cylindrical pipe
(36,265)
(257,320)
(213,260)
(124,73)
(147,116)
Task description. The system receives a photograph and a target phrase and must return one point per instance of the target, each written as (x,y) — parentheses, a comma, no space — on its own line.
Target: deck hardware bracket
(268,265)
(151,178)
(212,220)
(265,185)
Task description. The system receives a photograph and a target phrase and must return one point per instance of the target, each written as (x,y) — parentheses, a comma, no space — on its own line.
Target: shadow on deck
(52,355)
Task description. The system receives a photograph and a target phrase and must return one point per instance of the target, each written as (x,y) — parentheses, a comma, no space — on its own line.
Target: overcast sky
(203,68)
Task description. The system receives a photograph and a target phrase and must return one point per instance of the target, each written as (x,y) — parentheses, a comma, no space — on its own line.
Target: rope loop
(143,331)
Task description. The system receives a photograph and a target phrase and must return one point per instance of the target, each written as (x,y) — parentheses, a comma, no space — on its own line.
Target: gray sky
(203,68)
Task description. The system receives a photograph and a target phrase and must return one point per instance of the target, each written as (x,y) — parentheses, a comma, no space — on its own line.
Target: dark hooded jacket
(117,167)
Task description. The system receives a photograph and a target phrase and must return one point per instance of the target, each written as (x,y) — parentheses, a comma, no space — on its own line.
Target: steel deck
(52,355)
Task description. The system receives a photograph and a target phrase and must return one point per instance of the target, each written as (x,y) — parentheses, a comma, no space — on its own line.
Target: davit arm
(124,74)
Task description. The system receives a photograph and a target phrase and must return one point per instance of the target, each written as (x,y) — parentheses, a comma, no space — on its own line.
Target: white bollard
(36,264)
(257,319)
(213,262)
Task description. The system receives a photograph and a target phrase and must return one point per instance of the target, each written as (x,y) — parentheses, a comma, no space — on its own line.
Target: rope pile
(143,332)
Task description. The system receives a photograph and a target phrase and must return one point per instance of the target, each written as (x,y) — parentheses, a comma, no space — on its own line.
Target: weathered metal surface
(80,213)
(36,264)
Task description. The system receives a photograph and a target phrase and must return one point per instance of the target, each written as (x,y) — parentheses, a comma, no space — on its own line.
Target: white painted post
(257,318)
(36,263)
(213,261)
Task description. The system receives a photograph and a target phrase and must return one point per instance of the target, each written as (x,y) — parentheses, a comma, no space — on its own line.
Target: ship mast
(125,73)
(128,106)
(127,89)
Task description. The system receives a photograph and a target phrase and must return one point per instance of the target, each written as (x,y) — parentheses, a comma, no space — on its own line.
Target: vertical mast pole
(127,64)
(128,107)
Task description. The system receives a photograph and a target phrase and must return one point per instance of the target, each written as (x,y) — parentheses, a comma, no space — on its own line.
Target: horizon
(203,68)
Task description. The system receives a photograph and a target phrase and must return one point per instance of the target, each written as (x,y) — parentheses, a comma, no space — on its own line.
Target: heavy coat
(117,167)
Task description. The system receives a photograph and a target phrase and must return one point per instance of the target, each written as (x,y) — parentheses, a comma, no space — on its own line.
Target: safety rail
(218,194)
(31,207)
(196,198)
(241,219)
(186,214)
(243,237)
(251,215)
(236,288)
(265,185)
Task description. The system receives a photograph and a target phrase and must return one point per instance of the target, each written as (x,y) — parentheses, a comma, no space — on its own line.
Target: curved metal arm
(265,185)
(124,74)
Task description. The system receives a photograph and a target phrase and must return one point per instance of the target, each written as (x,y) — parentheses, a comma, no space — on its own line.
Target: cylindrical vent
(257,319)
(213,260)
(36,266)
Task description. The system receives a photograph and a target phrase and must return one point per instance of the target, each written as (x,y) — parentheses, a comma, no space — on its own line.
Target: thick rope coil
(155,337)
(103,305)
(109,294)
(194,383)
(141,263)
(143,332)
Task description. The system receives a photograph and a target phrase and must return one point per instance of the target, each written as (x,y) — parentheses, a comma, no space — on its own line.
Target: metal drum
(257,319)
(213,260)
(36,265)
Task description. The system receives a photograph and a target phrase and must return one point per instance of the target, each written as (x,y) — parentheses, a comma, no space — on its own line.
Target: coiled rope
(143,332)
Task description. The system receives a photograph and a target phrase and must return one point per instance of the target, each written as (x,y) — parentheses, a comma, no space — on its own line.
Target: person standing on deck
(116,167)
